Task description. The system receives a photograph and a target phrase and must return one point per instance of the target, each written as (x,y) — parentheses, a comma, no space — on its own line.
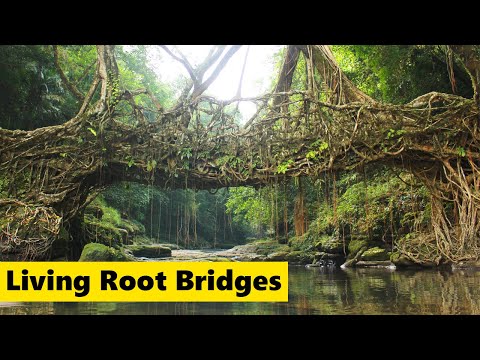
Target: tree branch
(204,86)
(71,87)
(183,60)
(85,72)
(239,89)
(285,78)
(342,88)
(211,58)
(471,60)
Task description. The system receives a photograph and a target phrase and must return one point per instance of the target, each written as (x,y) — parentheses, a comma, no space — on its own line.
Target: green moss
(375,254)
(103,224)
(133,227)
(268,246)
(100,252)
(356,246)
(109,214)
(400,260)
(3,186)
(149,251)
(141,240)
(300,257)
(103,232)
(329,244)
(218,259)
(300,243)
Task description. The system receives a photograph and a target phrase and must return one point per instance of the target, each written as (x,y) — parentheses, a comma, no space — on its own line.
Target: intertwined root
(27,231)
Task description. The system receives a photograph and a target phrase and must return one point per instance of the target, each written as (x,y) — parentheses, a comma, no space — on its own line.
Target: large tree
(51,173)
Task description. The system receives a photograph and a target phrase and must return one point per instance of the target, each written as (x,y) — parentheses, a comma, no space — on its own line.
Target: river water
(317,291)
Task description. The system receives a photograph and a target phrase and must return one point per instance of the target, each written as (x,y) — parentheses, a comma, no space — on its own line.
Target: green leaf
(311,155)
(92,131)
(461,151)
(63,155)
(323,146)
(282,168)
(151,164)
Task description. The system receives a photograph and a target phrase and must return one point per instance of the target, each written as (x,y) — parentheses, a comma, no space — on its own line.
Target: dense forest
(375,210)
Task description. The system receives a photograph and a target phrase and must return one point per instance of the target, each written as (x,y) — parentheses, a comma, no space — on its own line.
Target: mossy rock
(132,227)
(141,240)
(149,251)
(300,243)
(329,244)
(171,246)
(319,255)
(278,256)
(400,260)
(300,257)
(356,246)
(218,259)
(94,210)
(103,232)
(100,252)
(375,254)
(266,247)
(225,246)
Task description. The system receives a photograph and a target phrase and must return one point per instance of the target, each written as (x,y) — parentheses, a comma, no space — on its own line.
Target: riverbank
(325,253)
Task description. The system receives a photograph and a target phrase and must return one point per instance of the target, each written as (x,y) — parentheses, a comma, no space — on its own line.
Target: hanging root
(27,231)
(455,206)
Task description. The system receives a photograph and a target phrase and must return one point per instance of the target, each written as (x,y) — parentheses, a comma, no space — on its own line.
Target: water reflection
(316,291)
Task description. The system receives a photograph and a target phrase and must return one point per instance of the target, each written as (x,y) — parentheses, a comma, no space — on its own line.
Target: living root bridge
(50,174)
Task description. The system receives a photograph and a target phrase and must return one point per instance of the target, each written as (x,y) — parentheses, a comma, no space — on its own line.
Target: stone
(278,256)
(375,254)
(401,260)
(300,257)
(355,246)
(170,246)
(329,244)
(149,251)
(385,263)
(100,252)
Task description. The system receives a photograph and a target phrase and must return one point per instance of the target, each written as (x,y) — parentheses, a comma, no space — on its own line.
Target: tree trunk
(299,210)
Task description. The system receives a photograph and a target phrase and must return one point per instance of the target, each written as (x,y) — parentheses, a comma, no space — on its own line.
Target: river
(315,291)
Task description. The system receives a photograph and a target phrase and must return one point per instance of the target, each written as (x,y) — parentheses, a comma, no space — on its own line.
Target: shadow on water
(316,291)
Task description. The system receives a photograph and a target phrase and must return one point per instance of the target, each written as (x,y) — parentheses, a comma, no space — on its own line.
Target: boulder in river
(149,251)
(379,263)
(356,246)
(375,254)
(100,252)
(278,256)
(300,257)
(401,260)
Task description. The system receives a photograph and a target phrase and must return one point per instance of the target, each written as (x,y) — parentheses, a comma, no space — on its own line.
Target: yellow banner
(144,281)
